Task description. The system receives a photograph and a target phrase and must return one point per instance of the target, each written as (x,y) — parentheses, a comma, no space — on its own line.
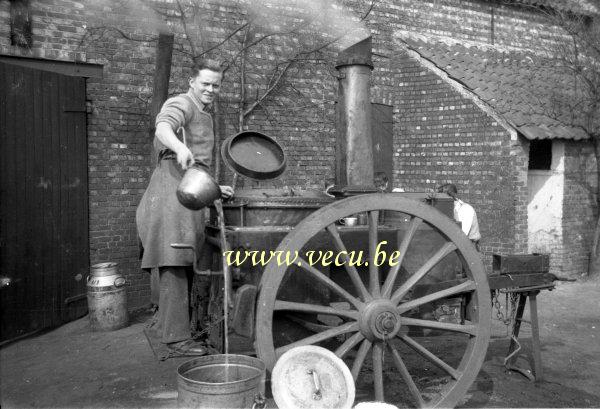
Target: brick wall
(118,147)
(442,137)
(520,192)
(455,142)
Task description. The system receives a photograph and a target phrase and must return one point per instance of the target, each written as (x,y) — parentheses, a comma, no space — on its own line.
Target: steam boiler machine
(387,281)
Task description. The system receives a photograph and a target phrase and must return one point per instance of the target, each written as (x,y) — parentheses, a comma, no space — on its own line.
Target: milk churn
(107,298)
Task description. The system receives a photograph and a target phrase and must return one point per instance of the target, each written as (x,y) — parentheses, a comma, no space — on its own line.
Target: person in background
(381,181)
(184,138)
(463,213)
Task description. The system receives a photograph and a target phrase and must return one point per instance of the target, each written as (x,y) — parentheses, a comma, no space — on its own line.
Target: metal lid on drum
(254,155)
(104,269)
(312,377)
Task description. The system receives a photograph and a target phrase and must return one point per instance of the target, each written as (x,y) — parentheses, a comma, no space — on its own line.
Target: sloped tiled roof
(531,95)
(575,6)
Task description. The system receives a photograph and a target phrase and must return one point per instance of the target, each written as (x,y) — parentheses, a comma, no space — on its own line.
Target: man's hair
(206,64)
(449,189)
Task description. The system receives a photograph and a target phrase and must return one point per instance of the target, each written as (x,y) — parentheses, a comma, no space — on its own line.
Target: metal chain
(210,325)
(509,319)
(496,304)
(506,320)
(513,305)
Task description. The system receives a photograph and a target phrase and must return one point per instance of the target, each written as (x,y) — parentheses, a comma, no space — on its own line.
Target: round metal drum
(312,377)
(270,207)
(254,155)
(107,298)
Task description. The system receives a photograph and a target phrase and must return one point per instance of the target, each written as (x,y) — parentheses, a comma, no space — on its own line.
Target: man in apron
(184,137)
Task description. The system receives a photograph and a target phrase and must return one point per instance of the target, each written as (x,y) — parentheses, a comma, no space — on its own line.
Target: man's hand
(226,192)
(167,136)
(185,158)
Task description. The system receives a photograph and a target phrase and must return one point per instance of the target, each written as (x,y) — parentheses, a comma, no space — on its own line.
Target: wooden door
(44,253)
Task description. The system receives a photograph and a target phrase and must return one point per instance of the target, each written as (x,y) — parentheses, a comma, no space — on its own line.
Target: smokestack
(354,147)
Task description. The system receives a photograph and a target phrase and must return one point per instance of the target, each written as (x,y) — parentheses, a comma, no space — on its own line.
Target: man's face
(206,85)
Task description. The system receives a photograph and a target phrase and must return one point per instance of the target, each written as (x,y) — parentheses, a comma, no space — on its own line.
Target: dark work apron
(161,220)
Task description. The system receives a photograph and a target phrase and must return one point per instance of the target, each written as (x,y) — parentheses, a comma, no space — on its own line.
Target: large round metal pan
(254,155)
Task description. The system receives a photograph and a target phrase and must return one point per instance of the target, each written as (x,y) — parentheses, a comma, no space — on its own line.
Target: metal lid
(104,269)
(312,377)
(254,155)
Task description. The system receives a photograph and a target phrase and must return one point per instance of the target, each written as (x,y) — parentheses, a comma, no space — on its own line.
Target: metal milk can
(107,298)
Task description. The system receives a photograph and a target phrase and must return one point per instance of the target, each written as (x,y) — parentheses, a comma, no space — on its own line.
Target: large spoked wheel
(394,324)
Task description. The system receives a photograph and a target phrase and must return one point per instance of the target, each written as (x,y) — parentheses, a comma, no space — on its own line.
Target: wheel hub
(379,320)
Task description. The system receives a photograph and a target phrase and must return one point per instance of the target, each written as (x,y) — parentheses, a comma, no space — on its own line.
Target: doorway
(44,246)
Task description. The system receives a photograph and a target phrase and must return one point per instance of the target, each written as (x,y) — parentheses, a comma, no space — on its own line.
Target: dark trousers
(173,323)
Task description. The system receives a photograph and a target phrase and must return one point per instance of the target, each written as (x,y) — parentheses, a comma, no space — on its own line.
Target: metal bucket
(197,189)
(107,298)
(220,381)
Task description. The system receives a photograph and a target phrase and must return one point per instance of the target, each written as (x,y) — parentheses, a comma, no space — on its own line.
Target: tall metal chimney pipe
(354,146)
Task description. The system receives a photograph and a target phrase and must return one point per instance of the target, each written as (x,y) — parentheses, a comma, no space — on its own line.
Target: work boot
(188,347)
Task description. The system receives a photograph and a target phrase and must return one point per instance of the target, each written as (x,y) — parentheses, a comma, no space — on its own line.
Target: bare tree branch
(185,29)
(278,75)
(227,38)
(269,90)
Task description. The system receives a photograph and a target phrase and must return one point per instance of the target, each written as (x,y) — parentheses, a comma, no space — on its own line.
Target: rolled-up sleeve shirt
(465,214)
(186,115)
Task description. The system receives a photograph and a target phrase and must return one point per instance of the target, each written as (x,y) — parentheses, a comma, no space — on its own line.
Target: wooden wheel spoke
(446,249)
(350,269)
(430,356)
(393,274)
(349,344)
(373,269)
(314,308)
(467,329)
(371,305)
(360,358)
(322,278)
(378,371)
(321,336)
(467,286)
(412,387)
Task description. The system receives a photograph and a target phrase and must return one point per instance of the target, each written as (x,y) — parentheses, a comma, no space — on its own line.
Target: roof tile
(516,84)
